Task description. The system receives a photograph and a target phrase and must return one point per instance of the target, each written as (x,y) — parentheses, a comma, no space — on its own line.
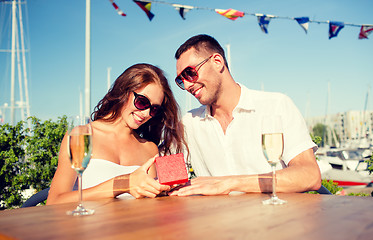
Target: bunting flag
(365,30)
(263,21)
(120,12)
(230,13)
(145,6)
(334,28)
(303,22)
(182,9)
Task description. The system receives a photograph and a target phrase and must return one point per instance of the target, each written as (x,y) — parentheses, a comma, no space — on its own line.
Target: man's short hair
(202,42)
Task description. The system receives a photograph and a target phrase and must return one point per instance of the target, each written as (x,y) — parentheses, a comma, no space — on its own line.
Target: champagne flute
(272,145)
(79,148)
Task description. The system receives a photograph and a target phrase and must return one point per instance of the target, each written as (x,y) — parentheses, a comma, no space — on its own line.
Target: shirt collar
(246,101)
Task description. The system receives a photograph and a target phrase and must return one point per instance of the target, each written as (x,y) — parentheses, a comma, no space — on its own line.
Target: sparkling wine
(272,145)
(80,148)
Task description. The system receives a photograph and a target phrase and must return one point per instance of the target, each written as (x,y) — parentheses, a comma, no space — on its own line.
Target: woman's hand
(143,185)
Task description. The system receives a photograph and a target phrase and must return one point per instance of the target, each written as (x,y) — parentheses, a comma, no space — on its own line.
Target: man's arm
(302,174)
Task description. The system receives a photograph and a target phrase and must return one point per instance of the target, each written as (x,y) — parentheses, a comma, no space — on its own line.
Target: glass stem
(274,180)
(80,188)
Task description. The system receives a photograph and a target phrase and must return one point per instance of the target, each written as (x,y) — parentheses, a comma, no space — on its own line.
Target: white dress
(99,171)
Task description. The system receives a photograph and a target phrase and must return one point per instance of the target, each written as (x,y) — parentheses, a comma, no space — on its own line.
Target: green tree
(318,130)
(28,158)
(42,149)
(12,155)
(322,131)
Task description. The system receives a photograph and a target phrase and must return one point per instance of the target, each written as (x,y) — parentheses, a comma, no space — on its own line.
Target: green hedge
(28,158)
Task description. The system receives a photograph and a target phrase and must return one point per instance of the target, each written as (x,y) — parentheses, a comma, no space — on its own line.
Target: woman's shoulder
(151,147)
(100,125)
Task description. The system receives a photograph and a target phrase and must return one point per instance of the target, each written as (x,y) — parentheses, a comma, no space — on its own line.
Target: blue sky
(284,60)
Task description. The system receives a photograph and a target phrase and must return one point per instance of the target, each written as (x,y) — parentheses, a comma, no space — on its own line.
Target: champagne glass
(79,148)
(272,145)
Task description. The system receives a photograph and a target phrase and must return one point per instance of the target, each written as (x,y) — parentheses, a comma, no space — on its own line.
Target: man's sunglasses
(189,74)
(141,103)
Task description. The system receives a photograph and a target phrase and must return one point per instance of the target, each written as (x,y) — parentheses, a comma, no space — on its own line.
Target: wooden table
(242,216)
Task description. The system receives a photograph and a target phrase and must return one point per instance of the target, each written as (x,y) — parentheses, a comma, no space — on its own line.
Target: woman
(135,116)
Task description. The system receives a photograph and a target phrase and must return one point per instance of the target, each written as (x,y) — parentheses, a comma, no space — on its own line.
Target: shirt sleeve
(297,138)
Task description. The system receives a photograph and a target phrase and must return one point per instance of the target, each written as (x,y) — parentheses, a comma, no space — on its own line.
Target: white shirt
(100,170)
(239,151)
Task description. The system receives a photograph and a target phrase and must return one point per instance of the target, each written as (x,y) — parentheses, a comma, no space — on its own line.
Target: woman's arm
(139,183)
(61,189)
(64,178)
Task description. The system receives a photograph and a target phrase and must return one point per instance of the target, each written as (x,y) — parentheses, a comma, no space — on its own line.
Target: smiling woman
(139,107)
(137,114)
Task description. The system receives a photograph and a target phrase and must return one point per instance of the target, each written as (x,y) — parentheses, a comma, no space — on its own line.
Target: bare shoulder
(151,148)
(99,126)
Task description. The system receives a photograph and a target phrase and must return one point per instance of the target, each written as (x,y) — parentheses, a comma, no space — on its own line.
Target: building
(354,128)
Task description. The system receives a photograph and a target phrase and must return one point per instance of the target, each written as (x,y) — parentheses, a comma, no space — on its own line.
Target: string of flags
(263,19)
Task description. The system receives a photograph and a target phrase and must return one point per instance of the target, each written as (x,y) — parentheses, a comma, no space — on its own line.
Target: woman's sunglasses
(189,74)
(141,103)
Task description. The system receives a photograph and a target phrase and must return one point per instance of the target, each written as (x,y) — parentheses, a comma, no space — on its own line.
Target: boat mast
(12,62)
(17,48)
(326,123)
(88,59)
(27,103)
(364,130)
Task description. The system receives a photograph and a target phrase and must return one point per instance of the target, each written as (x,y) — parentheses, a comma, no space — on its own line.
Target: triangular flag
(120,12)
(303,22)
(263,21)
(230,13)
(334,28)
(182,9)
(145,6)
(365,30)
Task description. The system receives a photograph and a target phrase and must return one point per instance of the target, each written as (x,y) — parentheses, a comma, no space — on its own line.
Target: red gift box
(171,169)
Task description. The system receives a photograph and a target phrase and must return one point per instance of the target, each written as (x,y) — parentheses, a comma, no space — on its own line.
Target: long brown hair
(165,129)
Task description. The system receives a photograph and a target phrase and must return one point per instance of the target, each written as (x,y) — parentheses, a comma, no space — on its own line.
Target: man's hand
(204,186)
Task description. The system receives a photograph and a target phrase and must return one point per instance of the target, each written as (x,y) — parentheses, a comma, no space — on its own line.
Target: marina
(348,168)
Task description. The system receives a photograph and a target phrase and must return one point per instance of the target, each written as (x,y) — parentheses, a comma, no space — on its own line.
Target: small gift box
(171,169)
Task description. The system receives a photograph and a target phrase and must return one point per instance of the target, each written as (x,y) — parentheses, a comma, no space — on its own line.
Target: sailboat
(17,64)
(346,163)
(347,167)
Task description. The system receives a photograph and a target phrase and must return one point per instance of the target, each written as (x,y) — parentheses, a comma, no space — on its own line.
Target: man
(224,135)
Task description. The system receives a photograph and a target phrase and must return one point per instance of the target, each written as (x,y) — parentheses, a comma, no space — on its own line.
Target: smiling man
(224,134)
